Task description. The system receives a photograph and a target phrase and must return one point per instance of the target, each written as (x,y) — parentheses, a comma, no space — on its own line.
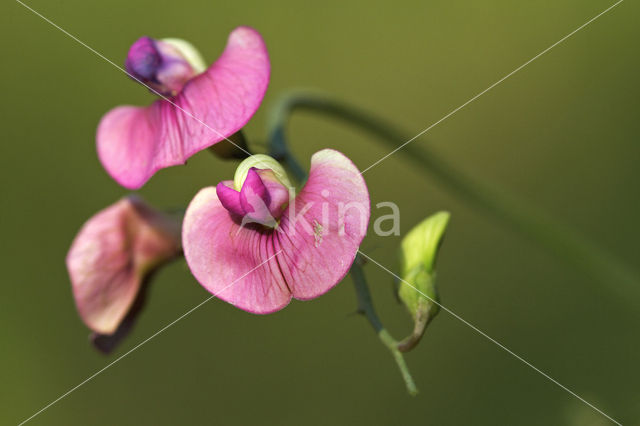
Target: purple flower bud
(162,65)
(261,199)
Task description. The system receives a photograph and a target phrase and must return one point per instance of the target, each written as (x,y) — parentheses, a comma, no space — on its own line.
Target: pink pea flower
(110,260)
(253,244)
(203,106)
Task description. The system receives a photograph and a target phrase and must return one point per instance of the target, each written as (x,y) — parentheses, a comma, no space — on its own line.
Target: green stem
(278,147)
(365,307)
(365,304)
(564,242)
(420,323)
(392,344)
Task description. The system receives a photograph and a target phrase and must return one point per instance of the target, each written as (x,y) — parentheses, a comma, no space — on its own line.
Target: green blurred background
(561,133)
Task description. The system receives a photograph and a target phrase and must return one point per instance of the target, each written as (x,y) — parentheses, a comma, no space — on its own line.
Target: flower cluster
(251,241)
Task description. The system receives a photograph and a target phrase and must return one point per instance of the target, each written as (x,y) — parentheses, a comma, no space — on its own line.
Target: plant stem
(278,147)
(280,150)
(534,224)
(420,323)
(365,307)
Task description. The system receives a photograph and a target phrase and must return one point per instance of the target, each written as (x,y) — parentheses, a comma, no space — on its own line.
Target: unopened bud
(417,288)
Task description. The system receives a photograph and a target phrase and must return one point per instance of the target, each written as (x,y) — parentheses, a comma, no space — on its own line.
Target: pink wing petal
(134,142)
(332,212)
(236,264)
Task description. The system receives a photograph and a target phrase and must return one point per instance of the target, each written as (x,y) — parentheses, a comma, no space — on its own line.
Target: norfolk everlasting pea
(199,107)
(111,259)
(254,244)
(251,241)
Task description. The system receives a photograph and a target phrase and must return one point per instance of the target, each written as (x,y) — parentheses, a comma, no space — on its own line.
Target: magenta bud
(163,65)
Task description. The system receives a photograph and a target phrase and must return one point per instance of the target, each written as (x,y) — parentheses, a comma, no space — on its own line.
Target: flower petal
(254,196)
(106,343)
(111,256)
(233,262)
(134,142)
(229,197)
(278,193)
(319,239)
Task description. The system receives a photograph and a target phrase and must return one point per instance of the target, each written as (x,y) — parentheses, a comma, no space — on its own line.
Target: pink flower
(253,245)
(203,106)
(113,254)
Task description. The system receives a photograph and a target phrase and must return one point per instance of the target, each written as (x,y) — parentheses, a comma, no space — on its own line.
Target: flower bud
(164,65)
(259,192)
(417,289)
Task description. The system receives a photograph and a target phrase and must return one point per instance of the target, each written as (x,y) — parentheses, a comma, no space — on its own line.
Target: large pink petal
(236,264)
(134,142)
(332,213)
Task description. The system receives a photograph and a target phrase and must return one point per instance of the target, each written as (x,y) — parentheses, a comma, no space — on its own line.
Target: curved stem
(278,147)
(524,218)
(365,307)
(420,323)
